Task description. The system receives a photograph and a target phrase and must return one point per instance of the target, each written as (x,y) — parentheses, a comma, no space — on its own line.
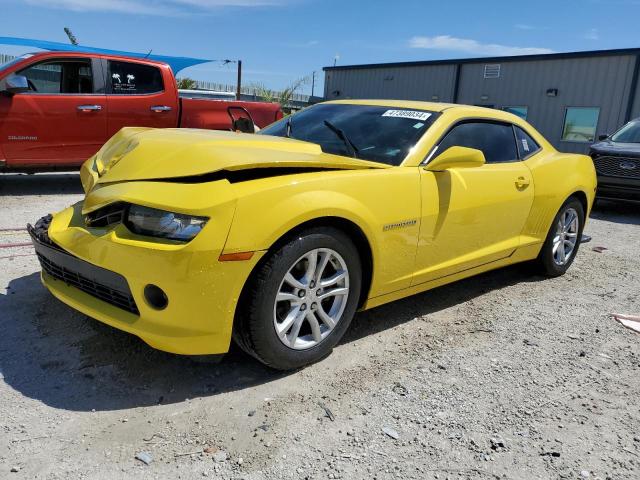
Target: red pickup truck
(58,108)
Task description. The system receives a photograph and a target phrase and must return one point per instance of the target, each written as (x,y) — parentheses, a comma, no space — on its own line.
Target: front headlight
(163,224)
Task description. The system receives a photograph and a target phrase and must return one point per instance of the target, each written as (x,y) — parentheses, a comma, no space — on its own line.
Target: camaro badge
(393,226)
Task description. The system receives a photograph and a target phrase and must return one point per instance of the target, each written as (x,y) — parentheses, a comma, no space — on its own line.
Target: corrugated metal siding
(602,82)
(635,113)
(599,81)
(402,83)
(635,110)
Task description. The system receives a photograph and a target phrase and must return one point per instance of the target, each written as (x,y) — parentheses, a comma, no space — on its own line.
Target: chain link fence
(247,90)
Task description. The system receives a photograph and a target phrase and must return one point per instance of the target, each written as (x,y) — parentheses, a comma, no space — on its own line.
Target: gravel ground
(506,375)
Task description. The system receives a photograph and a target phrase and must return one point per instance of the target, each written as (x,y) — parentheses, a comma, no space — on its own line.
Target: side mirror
(456,157)
(603,137)
(16,84)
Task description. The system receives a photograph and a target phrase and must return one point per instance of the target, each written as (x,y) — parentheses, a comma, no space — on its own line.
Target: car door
(140,95)
(473,216)
(61,120)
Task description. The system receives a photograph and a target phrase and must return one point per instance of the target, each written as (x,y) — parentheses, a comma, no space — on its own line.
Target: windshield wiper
(353,150)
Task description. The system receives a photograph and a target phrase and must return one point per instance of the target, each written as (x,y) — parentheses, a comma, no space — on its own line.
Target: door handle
(522,182)
(160,108)
(89,108)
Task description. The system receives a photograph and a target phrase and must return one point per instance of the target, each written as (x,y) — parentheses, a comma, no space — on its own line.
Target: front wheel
(301,300)
(563,240)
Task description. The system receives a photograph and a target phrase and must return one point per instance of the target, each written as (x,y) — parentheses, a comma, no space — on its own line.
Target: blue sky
(282,40)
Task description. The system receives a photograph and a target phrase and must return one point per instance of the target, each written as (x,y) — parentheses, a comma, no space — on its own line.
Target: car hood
(608,147)
(156,154)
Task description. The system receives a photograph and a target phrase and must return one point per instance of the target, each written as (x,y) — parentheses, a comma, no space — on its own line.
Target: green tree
(186,83)
(283,97)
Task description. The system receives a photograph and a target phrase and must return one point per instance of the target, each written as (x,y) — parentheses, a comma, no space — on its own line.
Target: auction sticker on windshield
(413,114)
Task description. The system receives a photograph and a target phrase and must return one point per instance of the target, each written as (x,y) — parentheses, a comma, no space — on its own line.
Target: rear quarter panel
(269,208)
(557,176)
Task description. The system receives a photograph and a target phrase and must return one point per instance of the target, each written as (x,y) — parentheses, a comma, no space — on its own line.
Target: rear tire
(563,240)
(299,302)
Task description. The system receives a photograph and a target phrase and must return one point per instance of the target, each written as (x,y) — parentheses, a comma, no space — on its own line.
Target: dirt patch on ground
(507,375)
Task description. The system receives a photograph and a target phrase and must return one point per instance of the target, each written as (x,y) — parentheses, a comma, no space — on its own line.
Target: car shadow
(16,184)
(617,211)
(58,356)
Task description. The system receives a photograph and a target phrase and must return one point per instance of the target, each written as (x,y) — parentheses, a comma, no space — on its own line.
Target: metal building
(571,98)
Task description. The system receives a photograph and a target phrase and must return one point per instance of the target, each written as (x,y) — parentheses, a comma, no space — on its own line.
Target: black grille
(617,166)
(117,298)
(99,282)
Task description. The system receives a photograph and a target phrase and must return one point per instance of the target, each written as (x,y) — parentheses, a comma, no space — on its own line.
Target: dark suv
(617,161)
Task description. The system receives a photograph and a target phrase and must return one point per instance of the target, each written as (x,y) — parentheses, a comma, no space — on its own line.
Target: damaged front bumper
(103,274)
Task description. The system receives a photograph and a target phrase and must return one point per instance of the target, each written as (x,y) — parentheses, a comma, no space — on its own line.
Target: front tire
(563,240)
(299,303)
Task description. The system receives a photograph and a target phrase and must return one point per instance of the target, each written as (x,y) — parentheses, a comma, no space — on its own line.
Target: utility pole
(313,82)
(239,86)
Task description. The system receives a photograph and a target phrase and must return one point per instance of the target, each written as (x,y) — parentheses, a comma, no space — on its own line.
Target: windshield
(14,61)
(379,134)
(630,133)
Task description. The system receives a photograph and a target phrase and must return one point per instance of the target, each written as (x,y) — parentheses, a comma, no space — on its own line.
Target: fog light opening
(155,297)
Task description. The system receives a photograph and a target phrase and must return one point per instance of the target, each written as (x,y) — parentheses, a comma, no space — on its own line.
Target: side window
(495,140)
(526,145)
(127,78)
(60,76)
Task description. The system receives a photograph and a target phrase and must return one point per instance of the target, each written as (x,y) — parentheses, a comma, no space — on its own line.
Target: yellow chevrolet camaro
(189,238)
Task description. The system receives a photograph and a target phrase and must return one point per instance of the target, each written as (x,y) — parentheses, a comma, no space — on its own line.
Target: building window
(580,124)
(492,70)
(519,111)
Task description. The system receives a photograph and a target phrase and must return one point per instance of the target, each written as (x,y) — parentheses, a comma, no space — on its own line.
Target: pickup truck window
(67,76)
(127,78)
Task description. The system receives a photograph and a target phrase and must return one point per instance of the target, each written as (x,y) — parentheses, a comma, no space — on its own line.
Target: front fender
(371,199)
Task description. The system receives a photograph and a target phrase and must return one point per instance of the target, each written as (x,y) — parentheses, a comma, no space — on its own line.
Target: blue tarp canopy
(176,63)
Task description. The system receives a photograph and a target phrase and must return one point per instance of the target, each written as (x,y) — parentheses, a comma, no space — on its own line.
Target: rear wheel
(563,240)
(301,300)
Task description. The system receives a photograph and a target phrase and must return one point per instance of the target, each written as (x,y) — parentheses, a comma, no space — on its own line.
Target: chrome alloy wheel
(311,299)
(566,236)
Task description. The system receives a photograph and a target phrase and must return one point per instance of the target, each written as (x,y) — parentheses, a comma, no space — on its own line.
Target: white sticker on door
(412,114)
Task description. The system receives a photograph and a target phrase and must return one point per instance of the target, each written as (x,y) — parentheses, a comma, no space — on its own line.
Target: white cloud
(447,42)
(157,7)
(592,34)
(524,26)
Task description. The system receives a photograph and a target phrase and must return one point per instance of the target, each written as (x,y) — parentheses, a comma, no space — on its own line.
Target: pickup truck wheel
(563,240)
(301,300)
